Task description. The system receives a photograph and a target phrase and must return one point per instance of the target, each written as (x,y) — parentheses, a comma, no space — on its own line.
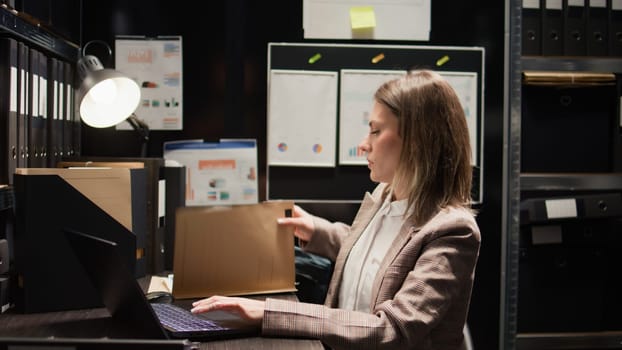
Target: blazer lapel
(369,207)
(404,236)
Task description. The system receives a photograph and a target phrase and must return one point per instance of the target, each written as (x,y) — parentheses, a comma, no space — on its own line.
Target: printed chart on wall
(303,118)
(465,84)
(156,65)
(217,173)
(357,95)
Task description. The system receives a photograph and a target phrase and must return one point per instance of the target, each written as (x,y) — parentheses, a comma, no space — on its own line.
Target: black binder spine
(22,105)
(531,32)
(35,124)
(615,28)
(552,28)
(43,107)
(67,145)
(8,108)
(575,25)
(597,28)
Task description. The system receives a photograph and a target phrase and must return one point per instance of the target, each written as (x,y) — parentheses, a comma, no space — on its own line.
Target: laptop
(132,314)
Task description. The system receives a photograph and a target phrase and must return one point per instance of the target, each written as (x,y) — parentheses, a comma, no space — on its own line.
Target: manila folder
(237,250)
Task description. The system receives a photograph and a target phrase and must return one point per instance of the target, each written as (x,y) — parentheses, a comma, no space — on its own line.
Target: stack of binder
(37,119)
(571,28)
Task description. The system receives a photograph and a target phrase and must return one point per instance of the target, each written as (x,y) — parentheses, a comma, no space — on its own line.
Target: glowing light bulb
(104,92)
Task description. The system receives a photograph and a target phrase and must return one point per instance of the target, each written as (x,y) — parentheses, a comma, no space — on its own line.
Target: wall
(225,59)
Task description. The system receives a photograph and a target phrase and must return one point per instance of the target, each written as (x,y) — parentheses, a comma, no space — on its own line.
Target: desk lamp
(107,97)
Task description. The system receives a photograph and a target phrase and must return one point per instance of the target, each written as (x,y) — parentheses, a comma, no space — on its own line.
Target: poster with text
(156,65)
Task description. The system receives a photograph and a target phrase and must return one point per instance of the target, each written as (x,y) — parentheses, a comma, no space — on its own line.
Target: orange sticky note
(362,17)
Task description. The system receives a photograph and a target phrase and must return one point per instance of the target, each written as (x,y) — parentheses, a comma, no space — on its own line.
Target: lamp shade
(105,97)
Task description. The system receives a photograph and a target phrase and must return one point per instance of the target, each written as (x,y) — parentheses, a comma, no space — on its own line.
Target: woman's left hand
(249,309)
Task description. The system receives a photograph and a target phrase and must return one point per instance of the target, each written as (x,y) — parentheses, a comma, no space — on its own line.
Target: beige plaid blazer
(421,292)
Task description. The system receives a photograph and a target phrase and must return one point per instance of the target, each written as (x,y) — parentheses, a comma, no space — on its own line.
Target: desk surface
(95,323)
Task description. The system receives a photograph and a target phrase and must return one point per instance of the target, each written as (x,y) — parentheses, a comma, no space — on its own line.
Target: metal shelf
(572,64)
(570,181)
(582,340)
(12,23)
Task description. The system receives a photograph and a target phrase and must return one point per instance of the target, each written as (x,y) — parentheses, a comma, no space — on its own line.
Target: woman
(404,269)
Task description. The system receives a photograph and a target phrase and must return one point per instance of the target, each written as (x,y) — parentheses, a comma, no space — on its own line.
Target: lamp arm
(140,126)
(142,129)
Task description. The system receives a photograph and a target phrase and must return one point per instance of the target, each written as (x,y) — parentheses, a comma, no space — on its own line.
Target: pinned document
(217,173)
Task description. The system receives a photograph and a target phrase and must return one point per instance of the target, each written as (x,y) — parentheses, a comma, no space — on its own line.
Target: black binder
(615,28)
(43,107)
(8,108)
(531,32)
(22,104)
(36,121)
(597,28)
(68,102)
(552,28)
(575,25)
(55,125)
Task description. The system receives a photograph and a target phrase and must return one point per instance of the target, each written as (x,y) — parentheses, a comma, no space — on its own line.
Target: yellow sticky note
(362,17)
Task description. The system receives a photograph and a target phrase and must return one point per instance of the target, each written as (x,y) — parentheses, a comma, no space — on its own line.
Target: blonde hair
(435,161)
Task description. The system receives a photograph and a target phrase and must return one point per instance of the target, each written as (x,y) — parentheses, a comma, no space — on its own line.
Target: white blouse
(367,253)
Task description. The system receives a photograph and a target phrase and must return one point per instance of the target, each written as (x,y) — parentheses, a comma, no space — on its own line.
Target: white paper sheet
(465,84)
(357,96)
(302,118)
(156,65)
(217,173)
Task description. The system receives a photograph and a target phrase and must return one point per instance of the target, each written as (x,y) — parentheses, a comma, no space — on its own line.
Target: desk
(95,323)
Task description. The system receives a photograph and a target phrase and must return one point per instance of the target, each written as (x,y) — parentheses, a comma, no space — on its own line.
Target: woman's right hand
(302,223)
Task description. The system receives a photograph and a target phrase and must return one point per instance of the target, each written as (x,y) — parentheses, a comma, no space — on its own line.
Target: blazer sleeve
(327,238)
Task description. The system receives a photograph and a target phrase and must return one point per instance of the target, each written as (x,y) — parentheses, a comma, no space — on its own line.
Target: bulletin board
(319,96)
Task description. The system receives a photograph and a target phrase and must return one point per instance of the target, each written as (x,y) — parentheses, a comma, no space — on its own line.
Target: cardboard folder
(108,202)
(109,188)
(152,240)
(239,250)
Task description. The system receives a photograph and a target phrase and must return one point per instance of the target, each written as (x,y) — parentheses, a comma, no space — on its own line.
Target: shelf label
(561,208)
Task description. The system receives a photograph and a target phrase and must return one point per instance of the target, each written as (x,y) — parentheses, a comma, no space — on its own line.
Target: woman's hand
(302,223)
(249,309)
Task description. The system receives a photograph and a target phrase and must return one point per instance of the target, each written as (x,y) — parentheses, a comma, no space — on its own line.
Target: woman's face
(383,144)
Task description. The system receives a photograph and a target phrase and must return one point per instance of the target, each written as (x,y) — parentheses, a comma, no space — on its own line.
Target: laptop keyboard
(179,319)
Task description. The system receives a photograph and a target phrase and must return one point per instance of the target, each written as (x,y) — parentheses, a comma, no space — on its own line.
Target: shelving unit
(44,128)
(571,182)
(27,30)
(592,191)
